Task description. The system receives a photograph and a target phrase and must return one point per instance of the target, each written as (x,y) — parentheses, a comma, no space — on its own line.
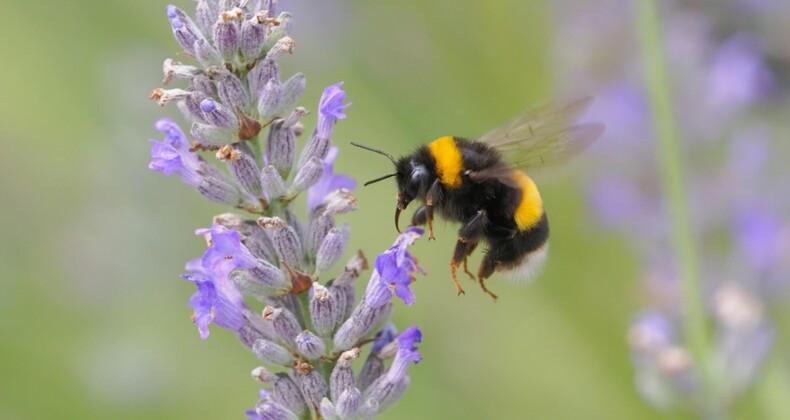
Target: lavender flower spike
(271,277)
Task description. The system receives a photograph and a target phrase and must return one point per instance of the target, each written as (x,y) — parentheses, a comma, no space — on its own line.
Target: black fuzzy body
(496,196)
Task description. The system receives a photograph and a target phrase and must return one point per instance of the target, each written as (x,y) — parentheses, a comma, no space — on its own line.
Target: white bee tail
(529,268)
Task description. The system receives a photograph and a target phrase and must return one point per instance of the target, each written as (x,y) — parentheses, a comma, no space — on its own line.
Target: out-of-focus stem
(671,167)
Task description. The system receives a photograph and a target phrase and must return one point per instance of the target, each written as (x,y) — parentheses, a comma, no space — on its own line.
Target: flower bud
(205,53)
(287,393)
(293,118)
(273,184)
(226,33)
(165,96)
(284,322)
(253,35)
(293,89)
(206,15)
(269,352)
(343,295)
(317,148)
(286,241)
(320,225)
(348,403)
(218,115)
(263,375)
(269,99)
(253,329)
(331,250)
(270,6)
(261,281)
(361,321)
(308,175)
(219,191)
(184,30)
(372,369)
(282,46)
(328,410)
(174,70)
(260,75)
(243,168)
(322,310)
(281,148)
(268,409)
(278,32)
(209,136)
(231,91)
(312,384)
(192,106)
(309,345)
(342,377)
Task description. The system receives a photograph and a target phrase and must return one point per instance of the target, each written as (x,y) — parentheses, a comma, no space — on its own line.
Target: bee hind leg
(487,268)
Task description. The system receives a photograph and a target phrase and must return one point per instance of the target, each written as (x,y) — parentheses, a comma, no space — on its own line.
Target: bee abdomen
(530,208)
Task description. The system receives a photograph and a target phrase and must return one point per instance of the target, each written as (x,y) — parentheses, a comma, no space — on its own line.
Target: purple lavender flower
(172,154)
(216,301)
(394,272)
(330,109)
(225,252)
(328,182)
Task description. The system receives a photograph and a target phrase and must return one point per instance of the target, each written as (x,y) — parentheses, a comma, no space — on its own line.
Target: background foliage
(93,316)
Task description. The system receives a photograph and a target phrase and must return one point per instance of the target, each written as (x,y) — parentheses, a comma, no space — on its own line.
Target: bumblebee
(481,184)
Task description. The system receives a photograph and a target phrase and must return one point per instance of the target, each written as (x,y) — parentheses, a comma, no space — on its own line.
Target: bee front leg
(433,194)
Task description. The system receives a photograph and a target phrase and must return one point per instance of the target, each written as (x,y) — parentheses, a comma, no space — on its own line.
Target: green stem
(671,167)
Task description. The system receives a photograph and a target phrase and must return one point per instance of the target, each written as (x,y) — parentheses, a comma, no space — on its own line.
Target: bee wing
(544,134)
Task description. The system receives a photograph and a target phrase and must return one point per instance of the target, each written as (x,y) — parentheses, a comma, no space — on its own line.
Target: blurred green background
(93,317)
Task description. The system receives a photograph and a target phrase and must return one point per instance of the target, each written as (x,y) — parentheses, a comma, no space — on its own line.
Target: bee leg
(466,269)
(418,218)
(433,194)
(487,267)
(462,250)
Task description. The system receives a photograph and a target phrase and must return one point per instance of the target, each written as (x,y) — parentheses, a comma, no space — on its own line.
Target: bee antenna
(381,178)
(392,159)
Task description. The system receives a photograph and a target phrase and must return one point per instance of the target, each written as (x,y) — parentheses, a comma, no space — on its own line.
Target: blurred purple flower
(761,237)
(394,271)
(738,74)
(328,182)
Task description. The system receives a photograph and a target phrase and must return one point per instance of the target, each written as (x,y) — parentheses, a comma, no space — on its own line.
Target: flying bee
(481,184)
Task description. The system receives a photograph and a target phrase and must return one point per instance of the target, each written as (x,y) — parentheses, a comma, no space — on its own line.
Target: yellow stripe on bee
(449,161)
(530,209)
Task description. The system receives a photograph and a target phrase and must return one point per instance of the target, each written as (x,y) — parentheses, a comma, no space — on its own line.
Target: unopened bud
(269,352)
(309,345)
